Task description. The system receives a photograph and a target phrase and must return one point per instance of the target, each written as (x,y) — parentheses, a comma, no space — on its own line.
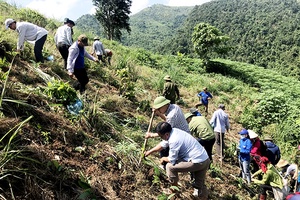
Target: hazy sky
(73,9)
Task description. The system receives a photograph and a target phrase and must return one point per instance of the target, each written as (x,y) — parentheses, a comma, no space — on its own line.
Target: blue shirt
(204,97)
(183,146)
(245,148)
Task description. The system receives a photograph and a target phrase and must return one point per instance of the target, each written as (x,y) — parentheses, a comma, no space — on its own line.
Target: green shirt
(271,177)
(170,91)
(200,128)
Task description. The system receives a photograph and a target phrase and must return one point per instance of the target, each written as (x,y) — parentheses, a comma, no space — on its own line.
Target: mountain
(155,24)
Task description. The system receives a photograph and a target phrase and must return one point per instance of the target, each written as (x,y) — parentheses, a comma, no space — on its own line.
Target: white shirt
(29,32)
(63,35)
(220,121)
(98,48)
(183,146)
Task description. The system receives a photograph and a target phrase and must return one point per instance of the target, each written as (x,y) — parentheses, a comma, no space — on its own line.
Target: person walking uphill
(244,157)
(98,49)
(31,33)
(204,96)
(171,91)
(63,40)
(202,131)
(75,63)
(220,122)
(186,155)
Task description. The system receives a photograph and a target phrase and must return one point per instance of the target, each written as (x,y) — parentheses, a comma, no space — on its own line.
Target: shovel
(146,140)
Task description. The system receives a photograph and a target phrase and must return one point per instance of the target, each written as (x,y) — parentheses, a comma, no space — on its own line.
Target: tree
(113,15)
(208,40)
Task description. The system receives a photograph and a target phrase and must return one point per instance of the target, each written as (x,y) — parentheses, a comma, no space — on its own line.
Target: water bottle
(75,108)
(50,58)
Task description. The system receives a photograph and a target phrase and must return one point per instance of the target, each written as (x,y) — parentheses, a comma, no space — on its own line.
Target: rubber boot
(262,197)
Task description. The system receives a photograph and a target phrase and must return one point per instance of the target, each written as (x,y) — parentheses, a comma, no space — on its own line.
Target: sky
(73,9)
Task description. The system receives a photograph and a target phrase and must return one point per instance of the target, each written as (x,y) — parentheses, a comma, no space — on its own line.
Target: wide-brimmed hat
(243,132)
(167,78)
(160,102)
(268,138)
(188,115)
(282,163)
(8,22)
(83,38)
(252,134)
(96,38)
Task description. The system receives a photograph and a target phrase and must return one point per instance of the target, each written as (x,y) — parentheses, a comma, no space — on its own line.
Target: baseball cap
(243,132)
(8,22)
(83,38)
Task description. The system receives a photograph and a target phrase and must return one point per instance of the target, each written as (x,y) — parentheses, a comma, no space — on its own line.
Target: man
(186,155)
(204,96)
(202,131)
(220,122)
(75,63)
(108,54)
(273,151)
(170,90)
(170,113)
(63,40)
(98,49)
(31,33)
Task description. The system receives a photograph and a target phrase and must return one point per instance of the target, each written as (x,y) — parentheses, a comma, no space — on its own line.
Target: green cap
(160,102)
(187,115)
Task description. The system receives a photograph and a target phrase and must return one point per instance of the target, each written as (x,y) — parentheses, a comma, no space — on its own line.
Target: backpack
(263,149)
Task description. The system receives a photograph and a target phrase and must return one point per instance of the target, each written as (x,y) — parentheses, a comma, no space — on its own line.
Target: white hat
(252,134)
(8,22)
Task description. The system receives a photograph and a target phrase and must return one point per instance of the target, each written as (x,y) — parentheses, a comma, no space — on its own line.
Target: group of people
(73,53)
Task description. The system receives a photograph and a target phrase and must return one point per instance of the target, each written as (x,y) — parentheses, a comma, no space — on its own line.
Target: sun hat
(193,110)
(160,102)
(252,134)
(8,22)
(243,132)
(187,115)
(282,163)
(222,106)
(96,38)
(268,138)
(167,78)
(83,38)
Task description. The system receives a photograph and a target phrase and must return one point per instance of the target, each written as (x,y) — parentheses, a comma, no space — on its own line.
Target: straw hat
(282,163)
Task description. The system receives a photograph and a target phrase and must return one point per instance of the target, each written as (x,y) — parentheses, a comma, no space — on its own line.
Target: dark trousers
(208,146)
(100,57)
(264,188)
(64,52)
(38,47)
(219,150)
(82,78)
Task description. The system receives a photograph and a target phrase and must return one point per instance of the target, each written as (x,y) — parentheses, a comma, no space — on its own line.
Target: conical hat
(282,163)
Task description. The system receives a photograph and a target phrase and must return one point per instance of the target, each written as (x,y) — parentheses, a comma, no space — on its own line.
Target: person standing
(171,91)
(63,40)
(75,63)
(186,155)
(245,146)
(31,33)
(220,122)
(202,131)
(204,96)
(98,49)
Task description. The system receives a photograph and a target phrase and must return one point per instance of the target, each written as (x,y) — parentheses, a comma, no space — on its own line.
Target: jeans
(245,167)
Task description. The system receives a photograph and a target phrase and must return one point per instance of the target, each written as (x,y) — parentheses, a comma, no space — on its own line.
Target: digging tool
(221,139)
(146,140)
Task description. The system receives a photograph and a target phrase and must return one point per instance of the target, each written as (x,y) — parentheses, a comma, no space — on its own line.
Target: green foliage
(61,91)
(208,40)
(113,15)
(144,57)
(32,16)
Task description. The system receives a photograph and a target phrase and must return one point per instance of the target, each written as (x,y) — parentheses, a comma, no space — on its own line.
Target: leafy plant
(61,91)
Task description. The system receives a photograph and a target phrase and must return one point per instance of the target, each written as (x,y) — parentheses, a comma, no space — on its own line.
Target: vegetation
(48,153)
(113,15)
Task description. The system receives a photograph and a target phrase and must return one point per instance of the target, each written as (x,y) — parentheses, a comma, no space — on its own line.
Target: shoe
(196,192)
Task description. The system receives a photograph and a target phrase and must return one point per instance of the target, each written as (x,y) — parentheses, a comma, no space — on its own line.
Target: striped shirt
(176,119)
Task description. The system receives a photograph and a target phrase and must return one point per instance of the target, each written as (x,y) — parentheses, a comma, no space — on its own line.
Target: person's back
(220,121)
(200,127)
(170,91)
(175,117)
(273,152)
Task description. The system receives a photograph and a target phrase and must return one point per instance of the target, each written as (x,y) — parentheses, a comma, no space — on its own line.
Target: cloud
(139,5)
(186,2)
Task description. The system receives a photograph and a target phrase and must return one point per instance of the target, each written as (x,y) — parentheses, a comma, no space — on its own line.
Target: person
(257,150)
(220,122)
(171,90)
(66,20)
(108,54)
(75,62)
(31,33)
(271,179)
(202,131)
(63,40)
(204,96)
(291,172)
(195,112)
(186,155)
(98,49)
(170,113)
(273,151)
(245,146)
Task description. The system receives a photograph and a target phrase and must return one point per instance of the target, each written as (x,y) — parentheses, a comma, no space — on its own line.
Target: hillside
(48,153)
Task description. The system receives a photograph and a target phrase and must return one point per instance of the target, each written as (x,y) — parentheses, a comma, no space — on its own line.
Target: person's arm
(89,56)
(151,135)
(165,89)
(177,92)
(209,95)
(162,116)
(70,61)
(157,148)
(22,31)
(102,49)
(69,35)
(227,126)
